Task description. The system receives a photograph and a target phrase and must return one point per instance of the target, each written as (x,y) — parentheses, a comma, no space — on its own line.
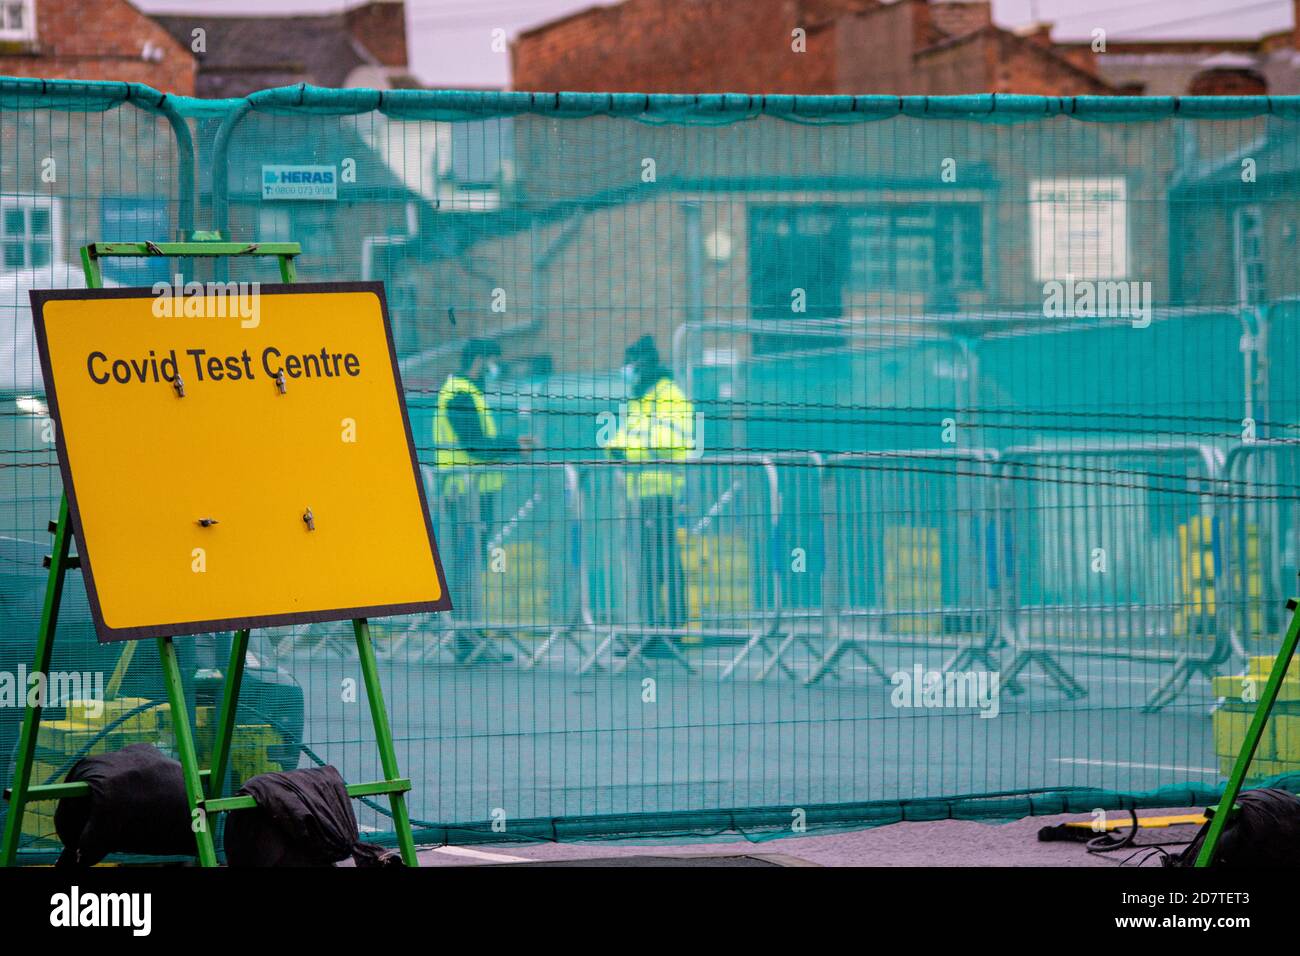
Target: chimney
(924,32)
(380,27)
(1227,81)
(1040,34)
(958,18)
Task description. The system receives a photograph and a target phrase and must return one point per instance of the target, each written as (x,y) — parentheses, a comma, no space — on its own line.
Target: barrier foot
(971,655)
(542,649)
(568,634)
(1176,681)
(635,649)
(777,658)
(838,650)
(594,659)
(1052,669)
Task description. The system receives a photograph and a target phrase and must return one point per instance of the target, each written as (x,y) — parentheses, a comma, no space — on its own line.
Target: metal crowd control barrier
(797,556)
(1114,552)
(719,589)
(1000,561)
(913,553)
(1261,537)
(511,564)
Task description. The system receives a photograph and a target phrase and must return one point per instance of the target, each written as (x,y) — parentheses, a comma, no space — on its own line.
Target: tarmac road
(519,744)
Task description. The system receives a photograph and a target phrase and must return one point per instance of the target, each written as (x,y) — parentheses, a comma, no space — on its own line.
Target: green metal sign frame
(203,788)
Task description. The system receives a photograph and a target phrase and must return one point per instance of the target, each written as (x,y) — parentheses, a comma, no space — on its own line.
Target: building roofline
(541,28)
(1233,45)
(994,31)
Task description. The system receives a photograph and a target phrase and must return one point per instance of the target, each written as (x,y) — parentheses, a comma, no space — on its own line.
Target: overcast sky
(450,40)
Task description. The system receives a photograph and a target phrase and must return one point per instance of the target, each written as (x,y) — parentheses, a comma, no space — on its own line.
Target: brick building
(1268,64)
(797,46)
(132,192)
(201,54)
(92,40)
(846,214)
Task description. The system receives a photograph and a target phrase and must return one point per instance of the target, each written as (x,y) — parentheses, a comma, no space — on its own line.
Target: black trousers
(465,551)
(663,585)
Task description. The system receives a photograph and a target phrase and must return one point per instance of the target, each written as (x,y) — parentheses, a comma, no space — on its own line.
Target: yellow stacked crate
(1196,552)
(913,578)
(82,732)
(1279,744)
(248,751)
(516,583)
(718,576)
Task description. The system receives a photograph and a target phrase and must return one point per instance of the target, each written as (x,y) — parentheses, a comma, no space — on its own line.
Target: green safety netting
(990,470)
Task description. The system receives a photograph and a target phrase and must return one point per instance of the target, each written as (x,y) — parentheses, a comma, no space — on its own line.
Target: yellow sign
(236,459)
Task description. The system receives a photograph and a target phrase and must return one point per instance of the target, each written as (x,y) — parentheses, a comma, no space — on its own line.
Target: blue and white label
(300,182)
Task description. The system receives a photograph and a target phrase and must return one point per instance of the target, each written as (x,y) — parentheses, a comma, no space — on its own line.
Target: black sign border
(110,635)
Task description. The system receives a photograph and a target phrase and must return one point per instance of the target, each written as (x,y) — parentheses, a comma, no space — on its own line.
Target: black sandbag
(302,818)
(1264,832)
(137,804)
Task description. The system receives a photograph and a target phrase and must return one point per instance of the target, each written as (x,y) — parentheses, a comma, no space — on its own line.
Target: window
(916,248)
(17,20)
(796,267)
(1079,228)
(131,219)
(274,224)
(933,248)
(1248,246)
(29,232)
(472,163)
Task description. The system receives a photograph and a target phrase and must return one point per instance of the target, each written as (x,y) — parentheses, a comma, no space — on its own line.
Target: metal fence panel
(1025,430)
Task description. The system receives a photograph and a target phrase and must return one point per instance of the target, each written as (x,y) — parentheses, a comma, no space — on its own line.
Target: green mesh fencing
(984,503)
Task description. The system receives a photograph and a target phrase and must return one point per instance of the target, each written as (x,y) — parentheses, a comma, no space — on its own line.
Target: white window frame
(29,203)
(1079,227)
(25,33)
(1249,292)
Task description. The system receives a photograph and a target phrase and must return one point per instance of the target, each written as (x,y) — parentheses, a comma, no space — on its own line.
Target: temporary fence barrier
(1125,562)
(986,386)
(914,555)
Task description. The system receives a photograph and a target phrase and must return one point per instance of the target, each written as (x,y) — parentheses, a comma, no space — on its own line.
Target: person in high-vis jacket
(468,442)
(654,439)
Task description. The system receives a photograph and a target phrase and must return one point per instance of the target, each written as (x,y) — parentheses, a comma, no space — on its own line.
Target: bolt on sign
(226,474)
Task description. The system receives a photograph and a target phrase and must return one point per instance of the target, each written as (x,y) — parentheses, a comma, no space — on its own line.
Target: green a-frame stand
(203,788)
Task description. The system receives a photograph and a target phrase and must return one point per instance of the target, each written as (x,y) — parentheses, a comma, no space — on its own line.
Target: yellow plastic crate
(1229,726)
(84,711)
(1231,686)
(1263,769)
(248,750)
(1286,738)
(63,738)
(38,824)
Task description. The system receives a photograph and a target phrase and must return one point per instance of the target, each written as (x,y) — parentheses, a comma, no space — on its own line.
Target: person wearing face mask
(468,441)
(656,435)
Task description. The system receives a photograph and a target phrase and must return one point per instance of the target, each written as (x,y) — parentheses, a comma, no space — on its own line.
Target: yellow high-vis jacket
(453,461)
(659,428)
